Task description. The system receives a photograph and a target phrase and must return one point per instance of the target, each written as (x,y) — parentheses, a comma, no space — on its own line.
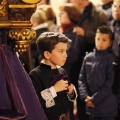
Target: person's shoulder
(98,11)
(98,15)
(89,55)
(111,23)
(61,70)
(111,56)
(56,28)
(98,7)
(35,70)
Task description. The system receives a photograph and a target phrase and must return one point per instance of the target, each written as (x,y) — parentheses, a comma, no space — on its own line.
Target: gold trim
(22,35)
(3,8)
(21,38)
(22,6)
(15,24)
(31,1)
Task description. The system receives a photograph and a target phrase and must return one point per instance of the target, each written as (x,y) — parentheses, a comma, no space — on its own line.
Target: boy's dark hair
(47,41)
(105,30)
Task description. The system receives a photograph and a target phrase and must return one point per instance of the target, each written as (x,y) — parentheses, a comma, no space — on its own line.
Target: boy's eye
(97,39)
(61,51)
(104,40)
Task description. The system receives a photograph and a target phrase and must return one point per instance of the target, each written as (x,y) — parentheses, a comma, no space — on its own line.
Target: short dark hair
(47,41)
(105,30)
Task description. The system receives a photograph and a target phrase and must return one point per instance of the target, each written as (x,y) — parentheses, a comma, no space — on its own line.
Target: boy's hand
(79,31)
(70,88)
(61,85)
(89,102)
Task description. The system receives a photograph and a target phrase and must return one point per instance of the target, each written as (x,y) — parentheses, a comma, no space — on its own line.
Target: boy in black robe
(50,80)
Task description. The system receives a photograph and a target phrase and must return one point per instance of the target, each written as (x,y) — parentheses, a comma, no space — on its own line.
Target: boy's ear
(46,54)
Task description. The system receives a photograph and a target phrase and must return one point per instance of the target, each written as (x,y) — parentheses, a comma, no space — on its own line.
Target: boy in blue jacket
(97,76)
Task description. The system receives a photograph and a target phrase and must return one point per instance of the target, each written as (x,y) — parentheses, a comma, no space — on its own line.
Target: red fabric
(66,26)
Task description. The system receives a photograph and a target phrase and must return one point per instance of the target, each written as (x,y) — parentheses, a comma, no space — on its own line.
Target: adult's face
(64,19)
(80,4)
(116,10)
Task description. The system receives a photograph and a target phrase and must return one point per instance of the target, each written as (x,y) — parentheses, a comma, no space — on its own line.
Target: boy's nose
(66,55)
(100,42)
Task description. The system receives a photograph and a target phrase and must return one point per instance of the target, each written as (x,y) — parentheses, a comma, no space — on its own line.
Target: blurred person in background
(106,8)
(38,20)
(51,17)
(89,20)
(69,18)
(115,27)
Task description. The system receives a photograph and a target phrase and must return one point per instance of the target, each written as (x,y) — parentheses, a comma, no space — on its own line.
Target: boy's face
(102,41)
(58,55)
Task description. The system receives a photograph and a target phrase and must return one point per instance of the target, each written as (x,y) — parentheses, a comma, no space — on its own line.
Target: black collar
(116,23)
(107,6)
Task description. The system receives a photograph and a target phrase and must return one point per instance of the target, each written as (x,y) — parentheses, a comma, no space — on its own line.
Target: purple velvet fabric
(18,99)
(59,77)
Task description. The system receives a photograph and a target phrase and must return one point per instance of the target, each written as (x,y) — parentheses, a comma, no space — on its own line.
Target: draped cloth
(18,99)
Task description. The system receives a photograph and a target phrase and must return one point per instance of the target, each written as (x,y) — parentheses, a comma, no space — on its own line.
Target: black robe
(41,78)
